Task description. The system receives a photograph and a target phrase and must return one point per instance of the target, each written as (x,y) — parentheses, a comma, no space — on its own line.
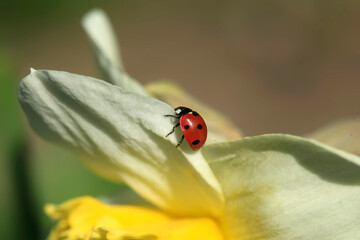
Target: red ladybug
(192,125)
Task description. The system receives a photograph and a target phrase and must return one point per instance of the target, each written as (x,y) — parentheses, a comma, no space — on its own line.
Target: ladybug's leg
(167,115)
(173,129)
(181,140)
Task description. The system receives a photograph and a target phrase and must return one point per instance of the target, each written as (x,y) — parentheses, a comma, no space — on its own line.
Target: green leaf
(17,204)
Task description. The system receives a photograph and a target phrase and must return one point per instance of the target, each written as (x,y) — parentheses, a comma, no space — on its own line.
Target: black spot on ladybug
(186,126)
(195,114)
(199,126)
(196,142)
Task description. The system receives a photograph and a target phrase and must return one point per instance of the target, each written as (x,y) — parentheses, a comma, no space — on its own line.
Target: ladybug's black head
(181,111)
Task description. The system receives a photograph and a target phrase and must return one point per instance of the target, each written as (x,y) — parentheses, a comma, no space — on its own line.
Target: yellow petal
(87,218)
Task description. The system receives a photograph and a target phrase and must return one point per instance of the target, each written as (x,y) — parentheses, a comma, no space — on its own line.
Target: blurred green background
(272,66)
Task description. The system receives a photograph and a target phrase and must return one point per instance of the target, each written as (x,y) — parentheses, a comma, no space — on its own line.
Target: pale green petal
(343,134)
(286,187)
(120,135)
(98,28)
(107,53)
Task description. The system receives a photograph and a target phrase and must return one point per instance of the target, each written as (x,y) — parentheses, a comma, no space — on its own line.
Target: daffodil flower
(265,187)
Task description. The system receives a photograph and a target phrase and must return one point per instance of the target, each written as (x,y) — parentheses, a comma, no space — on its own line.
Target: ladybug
(192,125)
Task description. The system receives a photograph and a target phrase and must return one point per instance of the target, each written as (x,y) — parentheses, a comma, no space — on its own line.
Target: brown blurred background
(272,66)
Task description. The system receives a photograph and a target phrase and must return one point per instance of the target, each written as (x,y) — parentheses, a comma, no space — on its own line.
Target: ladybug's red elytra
(192,125)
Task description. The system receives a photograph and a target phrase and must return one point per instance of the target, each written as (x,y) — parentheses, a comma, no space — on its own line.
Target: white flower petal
(126,196)
(98,28)
(107,53)
(120,135)
(343,134)
(286,187)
